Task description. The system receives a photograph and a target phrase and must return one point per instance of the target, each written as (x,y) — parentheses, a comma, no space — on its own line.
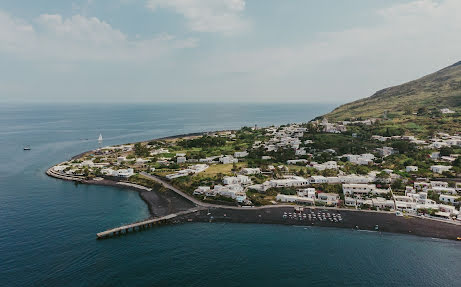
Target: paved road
(170,187)
(200,203)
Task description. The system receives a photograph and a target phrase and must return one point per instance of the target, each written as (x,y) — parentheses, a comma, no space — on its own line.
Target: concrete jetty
(142,225)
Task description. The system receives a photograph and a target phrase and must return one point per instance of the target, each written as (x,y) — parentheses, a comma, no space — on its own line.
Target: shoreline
(169,202)
(356,220)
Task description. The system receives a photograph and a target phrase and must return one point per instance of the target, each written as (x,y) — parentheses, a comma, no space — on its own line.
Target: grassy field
(224,169)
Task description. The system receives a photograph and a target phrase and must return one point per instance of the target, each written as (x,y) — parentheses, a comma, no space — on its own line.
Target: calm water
(48,227)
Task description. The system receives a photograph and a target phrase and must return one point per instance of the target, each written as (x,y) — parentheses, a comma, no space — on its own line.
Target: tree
(141,150)
(401,146)
(457,162)
(422,111)
(397,184)
(446,151)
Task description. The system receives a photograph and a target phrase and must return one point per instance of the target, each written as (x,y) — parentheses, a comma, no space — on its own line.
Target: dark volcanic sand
(164,202)
(387,222)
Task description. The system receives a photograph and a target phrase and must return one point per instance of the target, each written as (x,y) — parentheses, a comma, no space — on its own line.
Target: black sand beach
(362,220)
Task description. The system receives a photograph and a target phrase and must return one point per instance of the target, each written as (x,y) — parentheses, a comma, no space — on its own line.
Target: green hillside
(416,103)
(441,89)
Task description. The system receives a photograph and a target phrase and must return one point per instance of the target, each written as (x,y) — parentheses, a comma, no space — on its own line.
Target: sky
(184,51)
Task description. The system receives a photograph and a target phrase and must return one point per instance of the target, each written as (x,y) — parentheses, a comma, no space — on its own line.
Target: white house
(449,190)
(439,184)
(440,168)
(234,191)
(448,208)
(239,179)
(361,201)
(353,178)
(363,159)
(228,159)
(350,201)
(317,179)
(125,173)
(294,199)
(448,198)
(403,198)
(296,161)
(300,151)
(249,171)
(240,154)
(358,189)
(328,198)
(181,159)
(88,163)
(411,168)
(202,190)
(447,111)
(325,165)
(383,203)
(289,181)
(307,192)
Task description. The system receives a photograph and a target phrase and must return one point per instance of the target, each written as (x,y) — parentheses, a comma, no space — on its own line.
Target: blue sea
(48,227)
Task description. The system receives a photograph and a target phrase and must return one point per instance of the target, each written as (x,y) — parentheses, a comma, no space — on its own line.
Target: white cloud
(410,41)
(223,16)
(79,38)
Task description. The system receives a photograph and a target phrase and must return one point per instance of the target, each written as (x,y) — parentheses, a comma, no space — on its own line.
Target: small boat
(27,147)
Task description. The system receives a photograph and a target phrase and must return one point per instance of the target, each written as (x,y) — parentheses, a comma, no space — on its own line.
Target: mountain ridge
(441,89)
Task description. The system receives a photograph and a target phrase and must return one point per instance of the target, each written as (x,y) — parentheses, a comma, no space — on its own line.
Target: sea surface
(48,227)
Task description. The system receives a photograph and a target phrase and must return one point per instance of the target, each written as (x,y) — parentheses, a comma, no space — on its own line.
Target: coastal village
(355,164)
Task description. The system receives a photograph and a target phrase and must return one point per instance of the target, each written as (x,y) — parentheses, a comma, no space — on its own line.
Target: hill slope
(441,89)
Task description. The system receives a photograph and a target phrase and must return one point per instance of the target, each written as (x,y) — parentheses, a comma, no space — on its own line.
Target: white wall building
(239,179)
(411,168)
(328,198)
(358,189)
(228,159)
(325,165)
(307,192)
(440,168)
(250,171)
(294,199)
(125,173)
(449,198)
(317,179)
(239,154)
(363,159)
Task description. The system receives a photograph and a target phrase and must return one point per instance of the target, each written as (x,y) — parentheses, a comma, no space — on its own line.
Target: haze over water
(48,226)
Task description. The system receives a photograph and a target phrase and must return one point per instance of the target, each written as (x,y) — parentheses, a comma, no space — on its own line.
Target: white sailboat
(100,138)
